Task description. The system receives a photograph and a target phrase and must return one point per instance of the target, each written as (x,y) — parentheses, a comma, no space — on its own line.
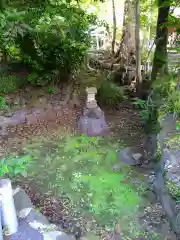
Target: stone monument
(92,122)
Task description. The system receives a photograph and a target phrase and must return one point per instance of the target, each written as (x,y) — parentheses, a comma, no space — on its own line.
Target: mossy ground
(80,169)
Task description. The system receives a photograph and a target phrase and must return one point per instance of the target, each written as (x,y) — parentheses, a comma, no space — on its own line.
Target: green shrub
(110,94)
(15,166)
(52,90)
(167,97)
(164,85)
(51,39)
(10,83)
(173,189)
(3,104)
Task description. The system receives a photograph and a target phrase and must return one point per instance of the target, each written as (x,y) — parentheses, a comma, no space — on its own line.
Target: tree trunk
(126,52)
(138,52)
(160,55)
(114,25)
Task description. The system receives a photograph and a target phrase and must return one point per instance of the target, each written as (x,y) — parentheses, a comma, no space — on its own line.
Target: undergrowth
(15,166)
(3,104)
(109,93)
(10,83)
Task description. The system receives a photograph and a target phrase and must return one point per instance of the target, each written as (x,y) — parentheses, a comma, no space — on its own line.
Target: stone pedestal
(92,122)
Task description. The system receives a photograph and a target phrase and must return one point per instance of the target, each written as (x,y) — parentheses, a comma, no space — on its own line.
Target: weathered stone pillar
(92,122)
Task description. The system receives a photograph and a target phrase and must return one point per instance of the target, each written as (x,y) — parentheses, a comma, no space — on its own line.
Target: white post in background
(8,212)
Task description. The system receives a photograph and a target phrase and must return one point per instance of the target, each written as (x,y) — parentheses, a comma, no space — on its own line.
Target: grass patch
(80,168)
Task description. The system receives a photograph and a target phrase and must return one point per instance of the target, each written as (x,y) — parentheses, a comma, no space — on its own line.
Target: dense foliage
(48,38)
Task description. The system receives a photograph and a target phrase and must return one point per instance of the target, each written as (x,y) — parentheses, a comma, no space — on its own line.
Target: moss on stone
(174,142)
(173,189)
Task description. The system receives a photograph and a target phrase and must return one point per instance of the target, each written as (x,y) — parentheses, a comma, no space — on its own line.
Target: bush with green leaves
(10,83)
(163,99)
(167,95)
(15,166)
(109,93)
(49,39)
(3,104)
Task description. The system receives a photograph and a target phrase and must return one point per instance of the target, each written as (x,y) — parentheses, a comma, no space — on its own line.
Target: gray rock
(93,112)
(36,231)
(8,113)
(32,224)
(170,154)
(137,156)
(17,118)
(132,155)
(117,167)
(21,200)
(36,216)
(26,232)
(56,235)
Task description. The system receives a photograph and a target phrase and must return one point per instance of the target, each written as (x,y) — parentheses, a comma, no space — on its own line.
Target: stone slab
(50,115)
(26,232)
(32,224)
(93,127)
(21,200)
(36,216)
(31,119)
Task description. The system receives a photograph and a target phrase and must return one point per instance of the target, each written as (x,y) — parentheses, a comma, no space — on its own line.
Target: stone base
(93,123)
(32,224)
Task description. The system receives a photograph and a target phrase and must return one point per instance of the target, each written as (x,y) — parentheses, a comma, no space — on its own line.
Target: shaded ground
(58,163)
(125,124)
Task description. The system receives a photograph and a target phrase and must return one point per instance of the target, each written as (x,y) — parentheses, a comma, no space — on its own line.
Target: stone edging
(161,190)
(37,115)
(32,224)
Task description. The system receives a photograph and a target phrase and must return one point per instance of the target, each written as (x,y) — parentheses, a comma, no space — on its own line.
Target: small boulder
(132,155)
(8,113)
(137,156)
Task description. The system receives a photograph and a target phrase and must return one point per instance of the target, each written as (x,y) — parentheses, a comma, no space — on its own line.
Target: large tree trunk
(126,52)
(138,52)
(114,25)
(160,55)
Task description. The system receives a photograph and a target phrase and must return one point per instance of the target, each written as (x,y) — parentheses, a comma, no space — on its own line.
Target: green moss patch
(80,168)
